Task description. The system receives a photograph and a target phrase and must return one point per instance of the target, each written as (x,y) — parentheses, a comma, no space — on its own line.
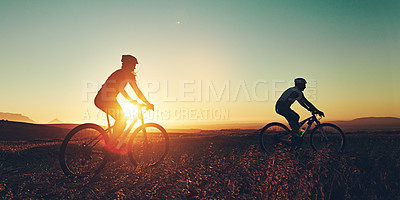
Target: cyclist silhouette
(106,98)
(288,97)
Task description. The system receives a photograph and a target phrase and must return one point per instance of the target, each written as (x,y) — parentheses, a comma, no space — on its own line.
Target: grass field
(220,165)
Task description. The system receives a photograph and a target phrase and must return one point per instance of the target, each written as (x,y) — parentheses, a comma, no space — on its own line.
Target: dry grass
(221,167)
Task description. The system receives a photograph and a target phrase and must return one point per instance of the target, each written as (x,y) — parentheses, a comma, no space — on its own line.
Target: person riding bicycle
(287,98)
(106,98)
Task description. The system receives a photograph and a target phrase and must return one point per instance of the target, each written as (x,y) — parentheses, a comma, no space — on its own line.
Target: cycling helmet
(300,81)
(129,59)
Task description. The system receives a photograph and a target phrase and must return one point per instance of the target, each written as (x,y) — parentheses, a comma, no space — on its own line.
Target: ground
(221,165)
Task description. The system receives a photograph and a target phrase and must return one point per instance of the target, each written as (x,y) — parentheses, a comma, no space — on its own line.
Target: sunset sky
(201,62)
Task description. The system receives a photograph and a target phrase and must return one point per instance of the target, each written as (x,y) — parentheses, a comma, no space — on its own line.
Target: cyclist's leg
(116,112)
(293,119)
(113,109)
(291,116)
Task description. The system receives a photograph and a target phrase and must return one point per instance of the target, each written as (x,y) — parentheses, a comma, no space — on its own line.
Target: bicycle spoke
(97,152)
(82,153)
(149,146)
(272,136)
(328,138)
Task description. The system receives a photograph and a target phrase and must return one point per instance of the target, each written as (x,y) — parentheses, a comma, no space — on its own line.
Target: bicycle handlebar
(140,105)
(315,115)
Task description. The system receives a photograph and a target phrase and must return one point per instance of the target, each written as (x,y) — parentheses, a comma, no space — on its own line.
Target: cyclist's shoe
(296,141)
(297,147)
(113,156)
(112,152)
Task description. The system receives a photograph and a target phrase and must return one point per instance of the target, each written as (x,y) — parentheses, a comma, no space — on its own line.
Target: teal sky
(350,48)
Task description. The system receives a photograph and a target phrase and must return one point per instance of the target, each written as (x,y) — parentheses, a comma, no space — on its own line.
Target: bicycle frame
(127,131)
(310,121)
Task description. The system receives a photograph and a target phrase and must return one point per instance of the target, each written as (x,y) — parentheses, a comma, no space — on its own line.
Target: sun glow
(129,109)
(131,112)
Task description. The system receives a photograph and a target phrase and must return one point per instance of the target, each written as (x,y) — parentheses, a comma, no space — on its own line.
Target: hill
(370,124)
(10,130)
(55,121)
(358,124)
(62,126)
(15,117)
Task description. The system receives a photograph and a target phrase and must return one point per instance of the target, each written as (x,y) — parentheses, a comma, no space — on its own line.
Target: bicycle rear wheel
(334,141)
(148,145)
(273,135)
(82,153)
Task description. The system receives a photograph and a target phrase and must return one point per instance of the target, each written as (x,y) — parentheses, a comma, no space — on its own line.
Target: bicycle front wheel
(273,135)
(82,153)
(327,137)
(148,145)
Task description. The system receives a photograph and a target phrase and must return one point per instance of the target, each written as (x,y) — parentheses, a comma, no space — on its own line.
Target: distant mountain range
(20,127)
(11,130)
(22,118)
(55,121)
(370,123)
(359,124)
(15,117)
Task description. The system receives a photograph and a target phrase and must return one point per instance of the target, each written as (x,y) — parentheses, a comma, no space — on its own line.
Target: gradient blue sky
(350,49)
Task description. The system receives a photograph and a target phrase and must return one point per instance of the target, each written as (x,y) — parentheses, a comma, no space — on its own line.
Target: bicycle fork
(323,131)
(144,134)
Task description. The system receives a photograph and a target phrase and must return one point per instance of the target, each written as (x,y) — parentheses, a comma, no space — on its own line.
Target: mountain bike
(323,137)
(86,149)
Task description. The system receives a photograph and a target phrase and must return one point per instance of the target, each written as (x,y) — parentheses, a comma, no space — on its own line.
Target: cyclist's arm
(138,92)
(307,105)
(125,94)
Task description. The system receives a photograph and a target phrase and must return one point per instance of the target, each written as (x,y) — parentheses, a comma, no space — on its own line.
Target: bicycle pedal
(114,156)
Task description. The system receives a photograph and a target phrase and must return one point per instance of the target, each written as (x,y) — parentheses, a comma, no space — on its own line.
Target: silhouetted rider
(288,97)
(106,98)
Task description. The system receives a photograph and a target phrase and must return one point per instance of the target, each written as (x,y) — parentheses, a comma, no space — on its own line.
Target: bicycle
(86,149)
(324,136)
